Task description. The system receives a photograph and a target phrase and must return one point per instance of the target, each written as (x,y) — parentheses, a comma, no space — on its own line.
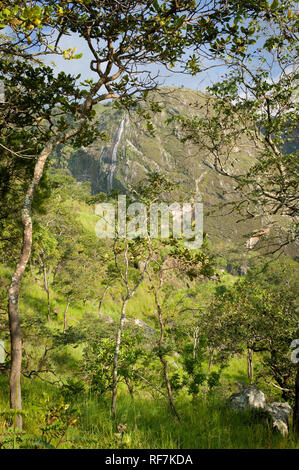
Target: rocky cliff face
(132,152)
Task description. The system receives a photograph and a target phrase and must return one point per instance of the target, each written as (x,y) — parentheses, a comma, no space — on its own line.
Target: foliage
(259,314)
(256,101)
(196,326)
(98,360)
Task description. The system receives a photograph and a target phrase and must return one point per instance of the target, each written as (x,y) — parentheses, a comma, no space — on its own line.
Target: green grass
(206,422)
(88,219)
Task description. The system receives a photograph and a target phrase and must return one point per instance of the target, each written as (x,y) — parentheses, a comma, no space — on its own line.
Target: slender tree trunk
(195,341)
(32,272)
(296,406)
(116,354)
(102,298)
(15,286)
(46,287)
(130,387)
(65,315)
(48,301)
(130,293)
(168,386)
(16,361)
(211,354)
(153,386)
(250,364)
(163,360)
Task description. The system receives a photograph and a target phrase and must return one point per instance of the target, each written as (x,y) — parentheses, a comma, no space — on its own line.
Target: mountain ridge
(132,151)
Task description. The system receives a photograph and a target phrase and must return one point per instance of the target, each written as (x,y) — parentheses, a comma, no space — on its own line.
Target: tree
(122,39)
(98,359)
(140,251)
(259,314)
(169,260)
(162,350)
(253,109)
(77,274)
(123,257)
(47,255)
(35,116)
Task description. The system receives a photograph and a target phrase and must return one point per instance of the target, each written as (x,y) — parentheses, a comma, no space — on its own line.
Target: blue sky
(166,77)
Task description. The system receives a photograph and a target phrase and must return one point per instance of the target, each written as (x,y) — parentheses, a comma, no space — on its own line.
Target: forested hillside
(148,233)
(132,151)
(70,308)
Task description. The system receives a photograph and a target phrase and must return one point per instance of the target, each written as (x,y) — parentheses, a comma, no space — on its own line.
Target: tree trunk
(130,387)
(296,406)
(16,360)
(102,298)
(168,386)
(195,341)
(130,293)
(116,354)
(65,315)
(164,361)
(211,355)
(250,364)
(46,287)
(48,300)
(15,286)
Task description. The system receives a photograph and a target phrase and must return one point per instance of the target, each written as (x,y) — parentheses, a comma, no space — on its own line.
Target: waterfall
(113,160)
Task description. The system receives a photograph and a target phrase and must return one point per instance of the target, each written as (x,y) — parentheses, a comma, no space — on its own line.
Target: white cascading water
(113,161)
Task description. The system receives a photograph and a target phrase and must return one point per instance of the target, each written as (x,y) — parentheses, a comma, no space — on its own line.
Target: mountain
(132,151)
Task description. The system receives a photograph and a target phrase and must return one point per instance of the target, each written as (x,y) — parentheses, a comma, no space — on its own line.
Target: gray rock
(251,398)
(280,414)
(141,324)
(105,317)
(144,325)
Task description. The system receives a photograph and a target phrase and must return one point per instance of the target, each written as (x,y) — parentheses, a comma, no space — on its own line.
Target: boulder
(251,398)
(144,325)
(141,324)
(280,414)
(105,317)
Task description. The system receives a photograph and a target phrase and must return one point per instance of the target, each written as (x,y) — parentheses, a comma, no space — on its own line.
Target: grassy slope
(206,421)
(139,152)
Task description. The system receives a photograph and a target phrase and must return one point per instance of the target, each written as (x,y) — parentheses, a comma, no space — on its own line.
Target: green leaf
(274,5)
(156,5)
(37,10)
